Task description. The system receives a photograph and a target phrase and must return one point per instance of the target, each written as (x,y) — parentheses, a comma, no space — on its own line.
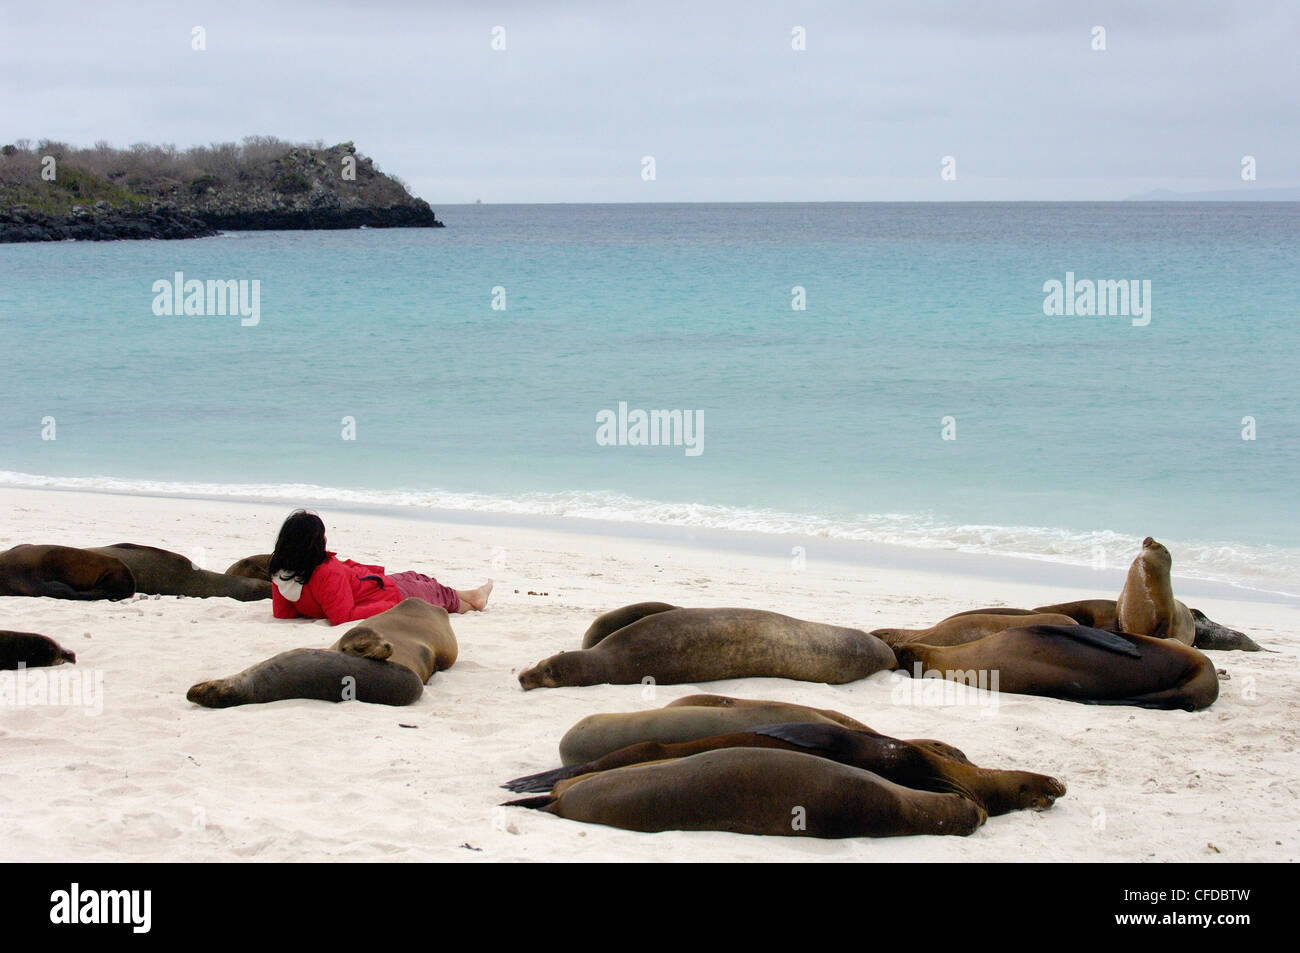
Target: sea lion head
(1154,553)
(554,672)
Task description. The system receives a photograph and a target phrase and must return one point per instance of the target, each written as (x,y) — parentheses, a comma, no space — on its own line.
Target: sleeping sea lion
(385,659)
(159,572)
(704,645)
(63,572)
(31,650)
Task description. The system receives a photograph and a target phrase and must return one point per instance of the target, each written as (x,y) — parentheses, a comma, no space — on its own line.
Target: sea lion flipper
(539,803)
(1098,638)
(804,734)
(545,780)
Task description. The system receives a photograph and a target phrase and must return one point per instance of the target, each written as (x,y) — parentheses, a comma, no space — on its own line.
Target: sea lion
(757,791)
(967,627)
(1102,614)
(687,719)
(704,645)
(1077,663)
(616,619)
(913,765)
(159,572)
(63,572)
(385,659)
(252,567)
(1146,604)
(32,651)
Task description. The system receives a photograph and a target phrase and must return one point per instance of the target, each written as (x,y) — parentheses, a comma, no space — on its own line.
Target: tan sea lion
(1146,604)
(31,651)
(252,567)
(63,572)
(704,645)
(687,719)
(757,791)
(913,765)
(385,659)
(160,572)
(1077,663)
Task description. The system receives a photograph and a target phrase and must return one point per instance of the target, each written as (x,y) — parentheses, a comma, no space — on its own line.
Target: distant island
(54,192)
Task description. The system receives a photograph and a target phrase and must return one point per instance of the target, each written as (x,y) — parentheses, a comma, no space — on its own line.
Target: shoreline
(996,567)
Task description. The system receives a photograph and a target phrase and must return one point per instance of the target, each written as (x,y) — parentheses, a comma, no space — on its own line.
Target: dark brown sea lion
(252,567)
(687,719)
(1077,663)
(967,627)
(63,572)
(31,650)
(384,660)
(757,791)
(913,765)
(704,645)
(159,572)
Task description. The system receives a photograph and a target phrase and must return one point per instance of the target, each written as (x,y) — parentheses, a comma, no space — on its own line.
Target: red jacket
(339,590)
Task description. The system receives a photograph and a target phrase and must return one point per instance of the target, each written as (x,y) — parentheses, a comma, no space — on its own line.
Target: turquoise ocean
(1075,436)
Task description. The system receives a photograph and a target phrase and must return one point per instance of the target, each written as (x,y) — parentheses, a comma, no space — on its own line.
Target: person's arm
(281,607)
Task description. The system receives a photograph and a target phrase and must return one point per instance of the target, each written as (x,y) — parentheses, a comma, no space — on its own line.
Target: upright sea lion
(1146,604)
(159,572)
(616,619)
(31,650)
(684,720)
(385,660)
(63,572)
(907,763)
(704,645)
(758,791)
(1077,663)
(252,567)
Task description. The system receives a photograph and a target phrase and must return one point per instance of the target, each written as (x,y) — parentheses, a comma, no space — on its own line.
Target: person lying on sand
(309,580)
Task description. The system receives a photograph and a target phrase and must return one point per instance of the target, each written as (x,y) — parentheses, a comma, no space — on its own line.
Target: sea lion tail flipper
(539,803)
(1098,638)
(533,783)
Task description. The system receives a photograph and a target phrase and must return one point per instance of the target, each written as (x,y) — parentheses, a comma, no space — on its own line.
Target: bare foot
(475,599)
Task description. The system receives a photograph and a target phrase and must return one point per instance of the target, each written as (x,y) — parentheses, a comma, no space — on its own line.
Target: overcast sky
(714,91)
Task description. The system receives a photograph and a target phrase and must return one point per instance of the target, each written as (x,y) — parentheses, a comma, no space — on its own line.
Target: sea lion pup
(31,651)
(63,572)
(705,645)
(687,719)
(616,619)
(252,567)
(757,791)
(159,572)
(1076,663)
(967,627)
(904,762)
(384,660)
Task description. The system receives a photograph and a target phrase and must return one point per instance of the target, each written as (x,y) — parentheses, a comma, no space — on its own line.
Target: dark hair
(300,547)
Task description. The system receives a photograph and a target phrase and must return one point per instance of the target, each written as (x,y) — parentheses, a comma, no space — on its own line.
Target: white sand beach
(152,777)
